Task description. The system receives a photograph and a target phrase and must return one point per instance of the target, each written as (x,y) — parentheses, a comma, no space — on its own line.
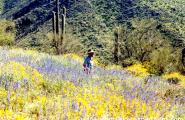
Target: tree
(139,39)
(142,39)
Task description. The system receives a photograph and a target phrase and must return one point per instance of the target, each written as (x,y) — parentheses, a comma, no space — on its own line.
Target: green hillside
(105,13)
(92,23)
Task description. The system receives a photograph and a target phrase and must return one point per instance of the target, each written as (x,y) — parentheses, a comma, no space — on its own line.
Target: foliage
(165,60)
(171,14)
(7,32)
(1,6)
(161,58)
(71,44)
(145,43)
(141,40)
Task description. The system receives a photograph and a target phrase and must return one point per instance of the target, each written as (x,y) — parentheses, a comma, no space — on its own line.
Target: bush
(129,61)
(71,44)
(7,32)
(141,39)
(159,59)
(144,42)
(163,60)
(173,80)
(175,77)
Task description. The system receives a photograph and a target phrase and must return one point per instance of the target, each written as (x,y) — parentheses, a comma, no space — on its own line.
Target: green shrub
(129,61)
(7,32)
(141,40)
(163,60)
(71,44)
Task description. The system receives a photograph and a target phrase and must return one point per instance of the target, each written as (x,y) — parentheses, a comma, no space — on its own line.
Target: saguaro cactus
(62,36)
(58,27)
(54,27)
(63,21)
(183,57)
(55,39)
(116,46)
(57,18)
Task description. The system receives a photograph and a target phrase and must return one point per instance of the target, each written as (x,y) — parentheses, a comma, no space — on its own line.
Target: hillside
(123,32)
(39,86)
(139,66)
(93,21)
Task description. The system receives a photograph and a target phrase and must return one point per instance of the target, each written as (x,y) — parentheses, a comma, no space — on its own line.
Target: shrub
(129,61)
(7,32)
(175,76)
(70,43)
(163,60)
(140,40)
(173,80)
(159,59)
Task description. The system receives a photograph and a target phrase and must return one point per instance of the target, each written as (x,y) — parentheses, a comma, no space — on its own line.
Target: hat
(90,51)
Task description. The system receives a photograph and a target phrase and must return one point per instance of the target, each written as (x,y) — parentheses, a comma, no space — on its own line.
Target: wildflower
(137,70)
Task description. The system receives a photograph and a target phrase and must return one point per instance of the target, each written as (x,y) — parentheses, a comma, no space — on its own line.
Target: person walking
(88,65)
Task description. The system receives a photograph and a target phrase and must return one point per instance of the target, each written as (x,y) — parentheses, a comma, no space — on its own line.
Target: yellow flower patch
(6,114)
(3,93)
(91,102)
(74,57)
(138,70)
(17,72)
(114,67)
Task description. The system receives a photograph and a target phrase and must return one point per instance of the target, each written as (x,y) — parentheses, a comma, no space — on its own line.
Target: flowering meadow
(40,86)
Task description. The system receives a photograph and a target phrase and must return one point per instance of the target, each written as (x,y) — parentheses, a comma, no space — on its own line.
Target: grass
(35,85)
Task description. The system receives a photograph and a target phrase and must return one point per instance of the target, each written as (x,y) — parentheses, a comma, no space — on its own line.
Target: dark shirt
(88,62)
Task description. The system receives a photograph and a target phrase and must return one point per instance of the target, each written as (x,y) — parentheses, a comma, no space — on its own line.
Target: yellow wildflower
(138,70)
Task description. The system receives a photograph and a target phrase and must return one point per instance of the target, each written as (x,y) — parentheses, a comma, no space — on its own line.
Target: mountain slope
(110,12)
(93,22)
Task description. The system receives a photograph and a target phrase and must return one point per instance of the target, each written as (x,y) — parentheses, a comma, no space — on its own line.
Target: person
(88,61)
